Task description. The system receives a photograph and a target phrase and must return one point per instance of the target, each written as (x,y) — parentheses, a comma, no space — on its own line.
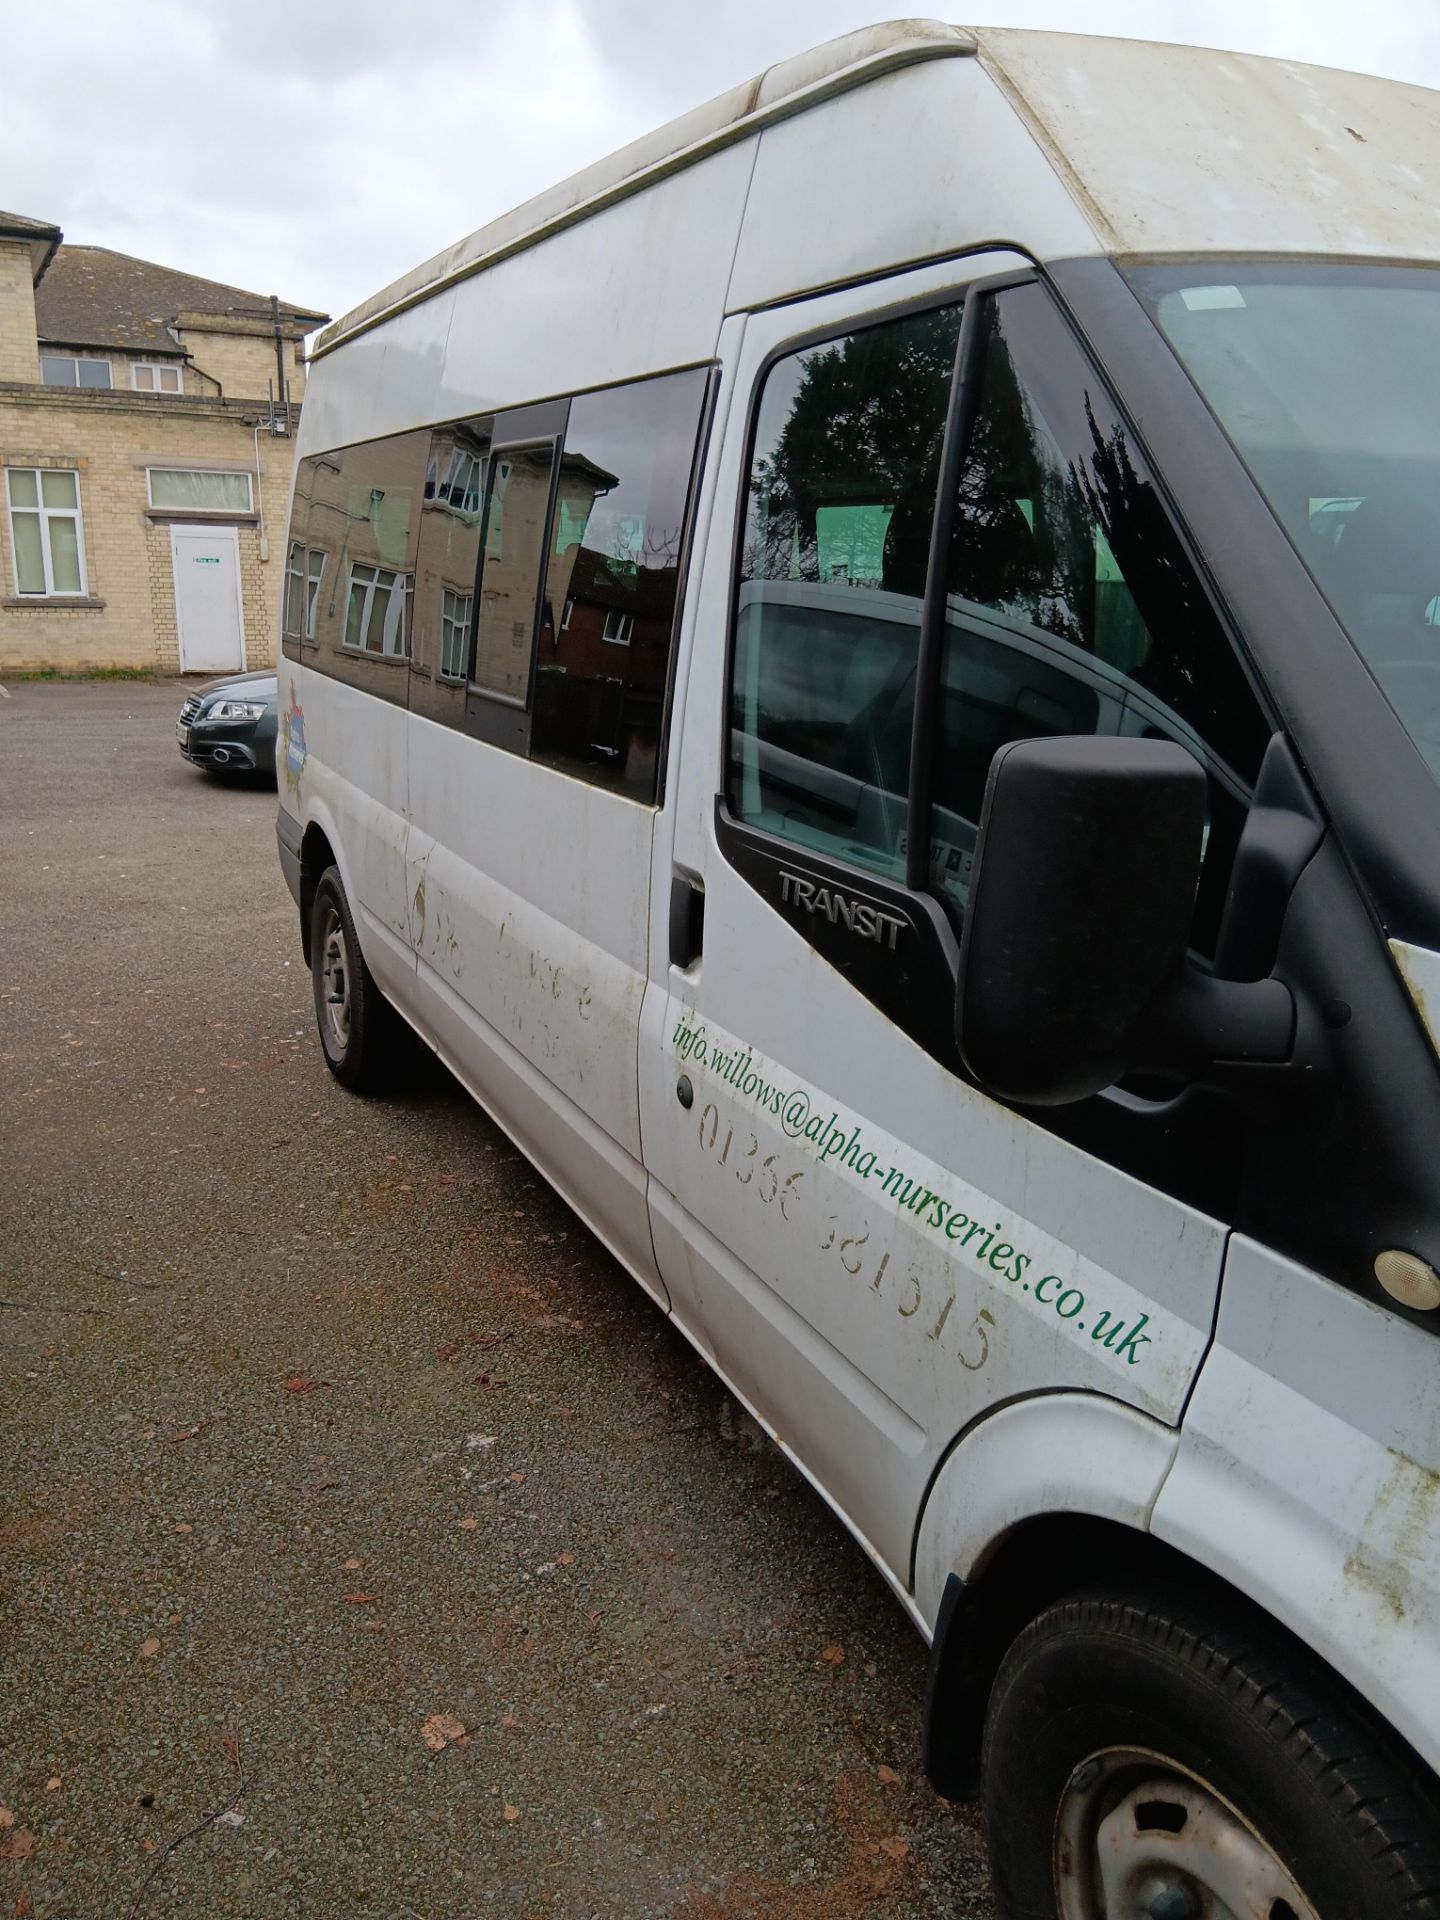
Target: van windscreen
(1324,378)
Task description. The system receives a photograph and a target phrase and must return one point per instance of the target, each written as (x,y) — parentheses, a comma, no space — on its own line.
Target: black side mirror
(1072,963)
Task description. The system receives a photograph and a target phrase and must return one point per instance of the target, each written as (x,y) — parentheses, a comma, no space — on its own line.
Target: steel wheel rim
(1138,1837)
(334,981)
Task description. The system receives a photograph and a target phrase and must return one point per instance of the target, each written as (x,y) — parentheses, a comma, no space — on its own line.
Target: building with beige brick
(147,432)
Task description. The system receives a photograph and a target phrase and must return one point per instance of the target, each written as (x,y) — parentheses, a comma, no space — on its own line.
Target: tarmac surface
(369,1543)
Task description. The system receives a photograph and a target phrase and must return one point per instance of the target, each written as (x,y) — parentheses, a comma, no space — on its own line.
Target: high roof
(92,297)
(1157,147)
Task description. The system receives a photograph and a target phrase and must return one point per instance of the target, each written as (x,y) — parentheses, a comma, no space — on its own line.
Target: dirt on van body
(368,1541)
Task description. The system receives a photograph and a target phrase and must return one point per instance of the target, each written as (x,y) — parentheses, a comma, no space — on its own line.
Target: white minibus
(866,673)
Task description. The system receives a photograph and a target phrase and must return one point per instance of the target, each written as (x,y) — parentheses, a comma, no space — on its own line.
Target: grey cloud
(321,149)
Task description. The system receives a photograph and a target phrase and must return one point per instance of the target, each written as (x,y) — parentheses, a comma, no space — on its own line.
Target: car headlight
(234,710)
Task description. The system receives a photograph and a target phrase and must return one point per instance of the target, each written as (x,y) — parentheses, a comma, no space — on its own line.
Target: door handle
(687,920)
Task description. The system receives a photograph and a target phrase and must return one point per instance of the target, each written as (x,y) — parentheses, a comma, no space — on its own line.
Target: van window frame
(925,987)
(750,849)
(504,719)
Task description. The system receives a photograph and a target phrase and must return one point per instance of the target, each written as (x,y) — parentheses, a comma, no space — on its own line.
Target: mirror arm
(1197,1021)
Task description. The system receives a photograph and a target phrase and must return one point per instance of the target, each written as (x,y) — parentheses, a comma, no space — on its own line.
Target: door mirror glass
(1086,868)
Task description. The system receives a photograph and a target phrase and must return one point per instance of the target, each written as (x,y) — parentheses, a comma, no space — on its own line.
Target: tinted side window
(1071,605)
(351,571)
(839,511)
(608,610)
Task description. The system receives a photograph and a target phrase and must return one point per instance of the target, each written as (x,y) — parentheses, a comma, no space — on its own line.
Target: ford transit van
(866,672)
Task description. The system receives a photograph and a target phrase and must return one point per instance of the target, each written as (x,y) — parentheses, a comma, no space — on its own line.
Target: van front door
(874,1252)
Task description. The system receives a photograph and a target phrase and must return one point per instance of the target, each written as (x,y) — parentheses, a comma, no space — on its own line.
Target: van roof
(1164,148)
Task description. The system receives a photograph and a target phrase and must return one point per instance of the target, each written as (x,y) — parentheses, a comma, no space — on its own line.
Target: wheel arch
(319,849)
(1043,1498)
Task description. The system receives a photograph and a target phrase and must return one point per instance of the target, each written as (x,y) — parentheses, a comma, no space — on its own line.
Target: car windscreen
(1327,380)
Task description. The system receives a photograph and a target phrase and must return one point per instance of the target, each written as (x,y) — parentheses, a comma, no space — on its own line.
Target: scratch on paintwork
(1395,1533)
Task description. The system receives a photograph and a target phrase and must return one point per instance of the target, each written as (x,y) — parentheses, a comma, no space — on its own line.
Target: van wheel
(1168,1758)
(359,1029)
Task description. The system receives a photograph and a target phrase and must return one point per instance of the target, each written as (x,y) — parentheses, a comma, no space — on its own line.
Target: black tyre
(359,1029)
(1166,1758)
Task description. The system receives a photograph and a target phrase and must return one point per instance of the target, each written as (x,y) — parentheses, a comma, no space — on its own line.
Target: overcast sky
(316,150)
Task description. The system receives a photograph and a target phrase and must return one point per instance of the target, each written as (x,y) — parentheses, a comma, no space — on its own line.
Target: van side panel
(355,786)
(637,290)
(1309,1476)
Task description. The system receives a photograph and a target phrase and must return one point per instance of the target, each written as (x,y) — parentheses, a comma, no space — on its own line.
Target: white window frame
(46,515)
(200,513)
(397,613)
(77,360)
(626,623)
(309,576)
(157,367)
(456,615)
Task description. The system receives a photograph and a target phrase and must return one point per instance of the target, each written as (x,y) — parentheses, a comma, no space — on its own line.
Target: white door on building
(207,599)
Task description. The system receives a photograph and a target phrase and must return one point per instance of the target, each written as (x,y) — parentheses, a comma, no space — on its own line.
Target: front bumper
(231,746)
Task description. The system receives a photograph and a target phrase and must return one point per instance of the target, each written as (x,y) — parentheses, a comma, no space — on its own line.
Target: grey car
(229,726)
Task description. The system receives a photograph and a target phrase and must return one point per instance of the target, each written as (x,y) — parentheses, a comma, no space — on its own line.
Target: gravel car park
(362,1527)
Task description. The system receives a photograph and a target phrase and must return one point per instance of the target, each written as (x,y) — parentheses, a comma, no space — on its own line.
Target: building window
(147,376)
(73,370)
(304,570)
(618,627)
(175,490)
(462,484)
(45,530)
(454,634)
(377,612)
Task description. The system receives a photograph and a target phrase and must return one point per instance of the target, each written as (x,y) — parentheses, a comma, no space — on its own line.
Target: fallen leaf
(183,1526)
(832,1656)
(20,1845)
(7,1818)
(895,1847)
(351,1565)
(511,1813)
(22,1905)
(302,1383)
(361,1599)
(442,1730)
(190,1433)
(148,1845)
(509,1719)
(52,1785)
(469,1523)
(517,1478)
(564,1559)
(149,1648)
(887,1776)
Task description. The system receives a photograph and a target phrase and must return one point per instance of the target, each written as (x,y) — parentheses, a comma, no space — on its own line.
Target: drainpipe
(260,501)
(280,387)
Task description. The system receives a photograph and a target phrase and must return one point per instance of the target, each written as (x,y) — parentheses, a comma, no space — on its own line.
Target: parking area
(368,1542)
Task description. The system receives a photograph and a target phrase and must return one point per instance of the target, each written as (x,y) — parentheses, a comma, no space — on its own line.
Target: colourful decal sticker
(293,721)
